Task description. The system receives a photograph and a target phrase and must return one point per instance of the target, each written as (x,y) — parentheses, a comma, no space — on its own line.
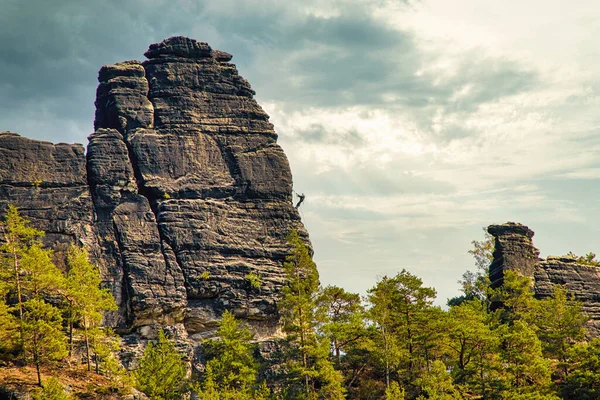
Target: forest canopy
(393,343)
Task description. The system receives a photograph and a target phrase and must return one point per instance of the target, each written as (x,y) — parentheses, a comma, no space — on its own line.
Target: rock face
(183,193)
(48,183)
(514,250)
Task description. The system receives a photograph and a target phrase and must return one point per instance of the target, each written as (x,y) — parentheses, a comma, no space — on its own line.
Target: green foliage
(560,324)
(402,310)
(43,339)
(52,390)
(103,345)
(483,251)
(400,347)
(588,259)
(437,383)
(254,280)
(33,327)
(310,373)
(394,392)
(231,370)
(583,382)
(86,300)
(344,318)
(18,237)
(473,347)
(42,277)
(515,297)
(9,330)
(526,370)
(205,275)
(161,372)
(474,285)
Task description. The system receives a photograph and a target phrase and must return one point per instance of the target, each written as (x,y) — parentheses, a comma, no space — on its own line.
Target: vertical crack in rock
(156,290)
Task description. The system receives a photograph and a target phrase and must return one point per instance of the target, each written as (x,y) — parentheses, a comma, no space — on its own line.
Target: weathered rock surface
(48,183)
(515,251)
(184,192)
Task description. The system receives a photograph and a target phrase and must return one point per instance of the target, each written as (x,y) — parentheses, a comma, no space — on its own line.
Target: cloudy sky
(409,125)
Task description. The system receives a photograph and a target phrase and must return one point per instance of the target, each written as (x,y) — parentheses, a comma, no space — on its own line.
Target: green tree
(526,370)
(402,309)
(437,383)
(474,348)
(18,236)
(44,340)
(588,259)
(9,329)
(583,382)
(474,285)
(386,344)
(86,300)
(27,271)
(344,315)
(560,324)
(232,369)
(161,372)
(394,392)
(515,298)
(307,358)
(41,276)
(103,346)
(483,251)
(52,390)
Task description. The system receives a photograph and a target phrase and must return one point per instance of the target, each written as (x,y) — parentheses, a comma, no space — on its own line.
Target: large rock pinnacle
(184,192)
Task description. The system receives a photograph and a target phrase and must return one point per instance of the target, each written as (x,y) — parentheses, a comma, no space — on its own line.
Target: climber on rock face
(301,199)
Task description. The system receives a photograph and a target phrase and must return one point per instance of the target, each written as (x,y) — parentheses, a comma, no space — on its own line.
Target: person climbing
(301,199)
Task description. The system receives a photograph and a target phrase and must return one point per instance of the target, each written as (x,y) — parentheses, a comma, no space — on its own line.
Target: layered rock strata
(184,194)
(514,250)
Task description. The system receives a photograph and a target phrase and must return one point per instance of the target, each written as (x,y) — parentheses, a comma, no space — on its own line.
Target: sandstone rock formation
(183,193)
(514,250)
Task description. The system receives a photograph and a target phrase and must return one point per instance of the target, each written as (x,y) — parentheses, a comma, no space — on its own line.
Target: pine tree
(344,315)
(436,382)
(86,300)
(387,343)
(526,370)
(9,329)
(474,348)
(41,276)
(402,309)
(18,236)
(394,392)
(43,339)
(161,372)
(232,368)
(52,390)
(515,298)
(560,324)
(307,358)
(583,381)
(103,346)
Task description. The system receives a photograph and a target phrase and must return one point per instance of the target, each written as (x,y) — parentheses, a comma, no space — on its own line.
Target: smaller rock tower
(513,250)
